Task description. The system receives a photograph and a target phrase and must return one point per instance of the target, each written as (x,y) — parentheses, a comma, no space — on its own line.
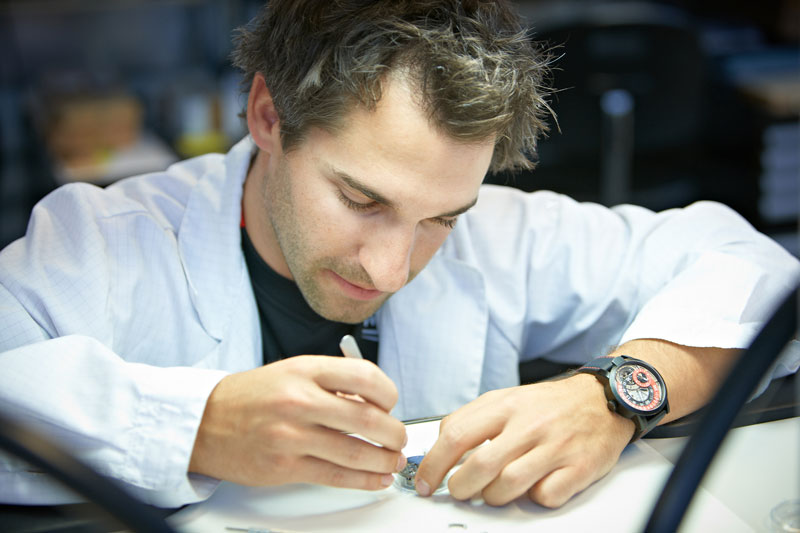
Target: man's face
(354,216)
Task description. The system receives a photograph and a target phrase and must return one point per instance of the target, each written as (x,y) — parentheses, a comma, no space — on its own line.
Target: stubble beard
(301,257)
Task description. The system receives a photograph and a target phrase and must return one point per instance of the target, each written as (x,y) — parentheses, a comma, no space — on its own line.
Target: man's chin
(350,312)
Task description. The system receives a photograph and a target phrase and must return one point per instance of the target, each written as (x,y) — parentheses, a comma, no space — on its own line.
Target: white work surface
(756,469)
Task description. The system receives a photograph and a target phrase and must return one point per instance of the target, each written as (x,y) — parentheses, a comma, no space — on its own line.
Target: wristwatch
(633,388)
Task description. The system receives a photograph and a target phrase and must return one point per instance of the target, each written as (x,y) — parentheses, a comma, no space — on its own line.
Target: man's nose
(386,256)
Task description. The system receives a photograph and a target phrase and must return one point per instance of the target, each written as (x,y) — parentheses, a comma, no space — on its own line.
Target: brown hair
(472,62)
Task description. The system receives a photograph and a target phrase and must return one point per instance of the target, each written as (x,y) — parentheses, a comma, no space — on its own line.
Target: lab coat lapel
(432,339)
(209,238)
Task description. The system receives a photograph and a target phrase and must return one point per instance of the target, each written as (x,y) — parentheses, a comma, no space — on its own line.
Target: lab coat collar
(432,338)
(209,239)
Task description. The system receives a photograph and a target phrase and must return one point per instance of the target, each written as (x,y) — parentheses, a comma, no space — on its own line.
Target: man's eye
(355,206)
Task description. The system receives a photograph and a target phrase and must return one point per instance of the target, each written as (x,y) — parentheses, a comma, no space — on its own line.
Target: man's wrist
(595,391)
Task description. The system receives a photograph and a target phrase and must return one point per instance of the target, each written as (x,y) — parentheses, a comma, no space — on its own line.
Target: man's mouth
(353,290)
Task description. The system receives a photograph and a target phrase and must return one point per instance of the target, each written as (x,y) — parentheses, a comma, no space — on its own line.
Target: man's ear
(262,118)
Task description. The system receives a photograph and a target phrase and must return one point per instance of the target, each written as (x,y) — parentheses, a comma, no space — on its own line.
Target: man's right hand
(284,423)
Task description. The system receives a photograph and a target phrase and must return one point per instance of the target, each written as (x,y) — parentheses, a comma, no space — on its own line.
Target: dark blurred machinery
(632,107)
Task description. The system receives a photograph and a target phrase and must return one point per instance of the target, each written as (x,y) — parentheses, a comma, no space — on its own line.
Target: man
(137,320)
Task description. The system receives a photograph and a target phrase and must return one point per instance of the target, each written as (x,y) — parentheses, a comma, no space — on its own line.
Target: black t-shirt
(289,326)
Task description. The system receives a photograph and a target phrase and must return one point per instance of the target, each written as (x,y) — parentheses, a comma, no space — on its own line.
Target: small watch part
(408,474)
(406,478)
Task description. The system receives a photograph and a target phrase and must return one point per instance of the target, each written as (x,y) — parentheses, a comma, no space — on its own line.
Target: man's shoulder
(505,224)
(164,194)
(506,210)
(509,201)
(160,196)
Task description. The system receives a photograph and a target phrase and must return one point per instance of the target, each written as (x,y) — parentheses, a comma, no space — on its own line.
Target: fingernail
(422,488)
(401,463)
(387,480)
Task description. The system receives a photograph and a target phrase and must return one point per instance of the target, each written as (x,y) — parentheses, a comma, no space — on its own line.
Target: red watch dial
(638,387)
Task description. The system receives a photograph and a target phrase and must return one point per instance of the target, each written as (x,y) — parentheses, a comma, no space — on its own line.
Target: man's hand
(556,438)
(285,423)
(549,440)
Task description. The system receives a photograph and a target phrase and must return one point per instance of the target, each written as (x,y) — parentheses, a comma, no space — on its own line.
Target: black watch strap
(599,365)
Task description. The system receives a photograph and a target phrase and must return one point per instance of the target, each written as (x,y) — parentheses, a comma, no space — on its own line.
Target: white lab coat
(122,308)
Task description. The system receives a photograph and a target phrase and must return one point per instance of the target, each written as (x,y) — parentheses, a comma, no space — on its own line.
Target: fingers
(369,418)
(325,456)
(539,472)
(516,478)
(353,453)
(578,472)
(288,451)
(498,462)
(361,417)
(550,440)
(319,471)
(458,433)
(555,489)
(355,376)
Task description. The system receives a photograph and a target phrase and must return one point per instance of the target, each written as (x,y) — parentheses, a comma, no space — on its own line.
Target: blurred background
(658,103)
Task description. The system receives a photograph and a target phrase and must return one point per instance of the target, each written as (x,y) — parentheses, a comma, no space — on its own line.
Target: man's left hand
(550,440)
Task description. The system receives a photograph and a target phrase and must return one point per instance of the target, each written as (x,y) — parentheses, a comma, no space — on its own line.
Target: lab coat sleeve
(697,276)
(707,278)
(710,279)
(62,366)
(129,421)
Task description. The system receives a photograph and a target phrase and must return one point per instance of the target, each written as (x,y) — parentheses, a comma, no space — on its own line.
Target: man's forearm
(692,374)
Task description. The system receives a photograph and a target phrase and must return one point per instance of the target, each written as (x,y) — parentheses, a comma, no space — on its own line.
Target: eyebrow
(377,197)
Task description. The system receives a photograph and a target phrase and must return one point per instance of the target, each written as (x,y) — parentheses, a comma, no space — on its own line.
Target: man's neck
(259,228)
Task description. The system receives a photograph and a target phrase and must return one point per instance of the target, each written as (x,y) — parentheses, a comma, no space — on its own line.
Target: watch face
(638,387)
